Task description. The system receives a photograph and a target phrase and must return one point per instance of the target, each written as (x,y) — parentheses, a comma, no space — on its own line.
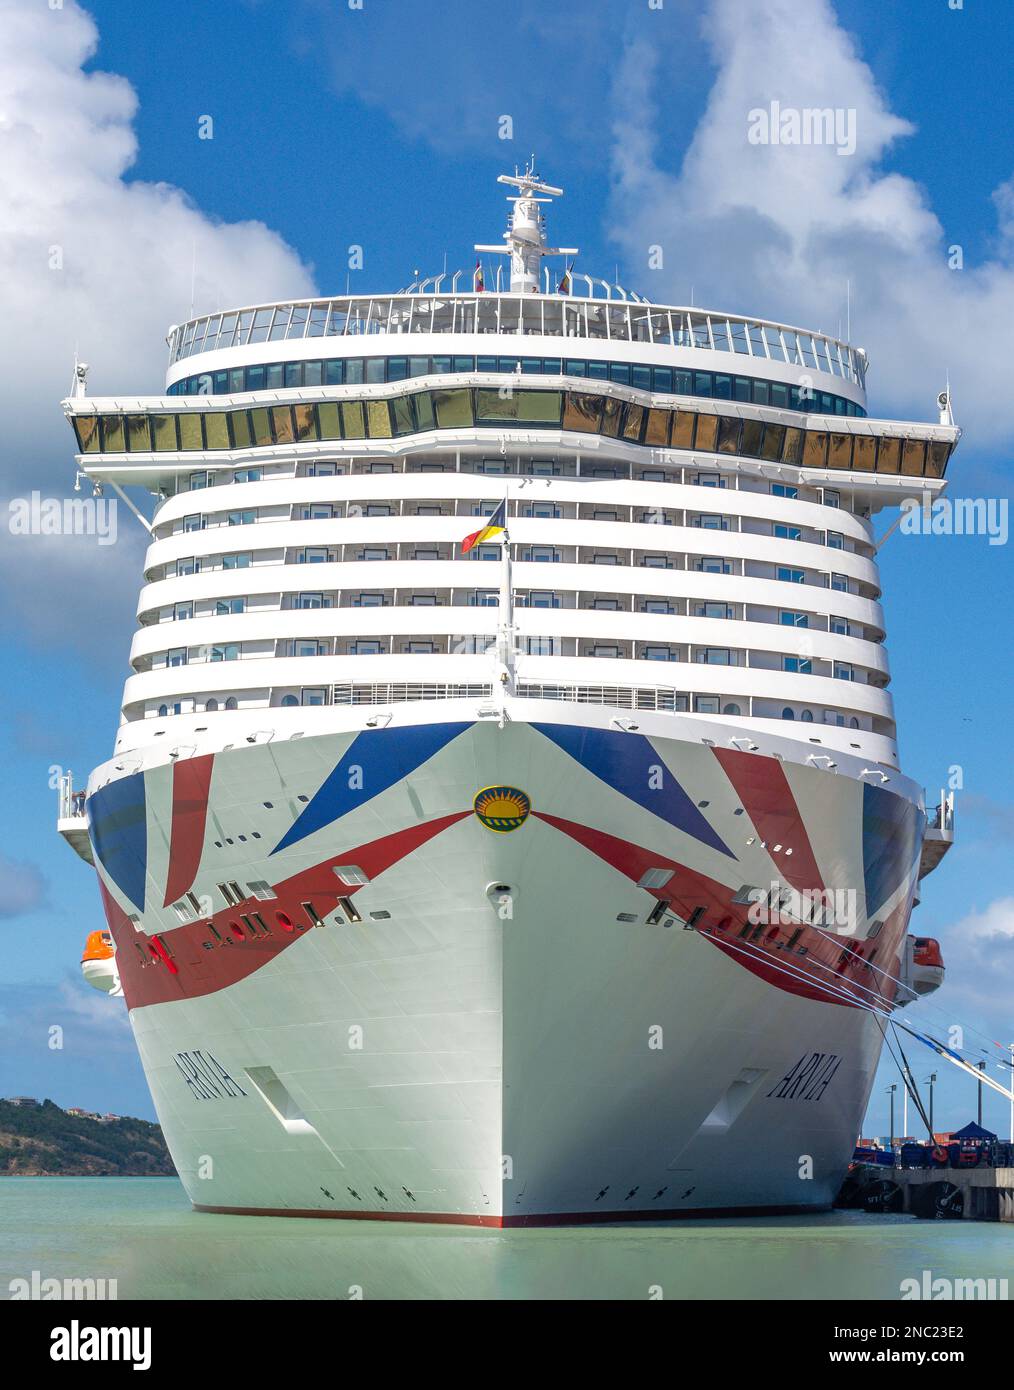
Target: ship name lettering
(205,1076)
(809,1078)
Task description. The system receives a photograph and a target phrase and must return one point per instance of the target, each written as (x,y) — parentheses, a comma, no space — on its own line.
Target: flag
(492,526)
(478,282)
(565,282)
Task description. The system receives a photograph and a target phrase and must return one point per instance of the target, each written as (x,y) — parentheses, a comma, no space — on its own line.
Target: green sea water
(142,1233)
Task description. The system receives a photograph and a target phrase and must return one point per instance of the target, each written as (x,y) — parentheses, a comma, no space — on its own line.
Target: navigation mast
(525,237)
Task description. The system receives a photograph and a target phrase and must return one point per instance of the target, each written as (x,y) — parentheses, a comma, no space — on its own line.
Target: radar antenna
(525,238)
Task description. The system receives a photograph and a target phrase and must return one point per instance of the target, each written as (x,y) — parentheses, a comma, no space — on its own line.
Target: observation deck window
(227,606)
(792,619)
(798,665)
(790,576)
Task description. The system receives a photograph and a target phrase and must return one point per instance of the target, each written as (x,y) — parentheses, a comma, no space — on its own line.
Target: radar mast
(525,238)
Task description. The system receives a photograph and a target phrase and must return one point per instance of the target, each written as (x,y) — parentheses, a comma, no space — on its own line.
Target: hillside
(44,1141)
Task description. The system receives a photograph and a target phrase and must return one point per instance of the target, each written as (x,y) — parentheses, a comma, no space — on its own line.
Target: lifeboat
(922,967)
(98,963)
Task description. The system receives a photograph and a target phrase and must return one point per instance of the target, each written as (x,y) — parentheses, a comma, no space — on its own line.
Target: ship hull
(525,1024)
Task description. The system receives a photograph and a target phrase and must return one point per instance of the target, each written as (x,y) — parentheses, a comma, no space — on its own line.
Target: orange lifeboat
(98,963)
(926,965)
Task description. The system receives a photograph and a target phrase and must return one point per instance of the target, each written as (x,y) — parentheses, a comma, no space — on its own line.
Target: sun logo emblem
(502,808)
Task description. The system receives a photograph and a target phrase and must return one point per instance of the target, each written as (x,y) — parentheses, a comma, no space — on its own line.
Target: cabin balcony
(71,821)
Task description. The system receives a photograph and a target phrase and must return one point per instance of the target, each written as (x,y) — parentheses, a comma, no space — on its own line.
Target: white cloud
(127,250)
(777,230)
(22,887)
(979,956)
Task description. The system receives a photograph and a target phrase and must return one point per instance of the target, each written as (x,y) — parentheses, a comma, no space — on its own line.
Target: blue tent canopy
(973,1131)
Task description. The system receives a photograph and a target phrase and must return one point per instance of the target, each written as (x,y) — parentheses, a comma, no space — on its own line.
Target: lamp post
(890,1091)
(931,1082)
(982,1068)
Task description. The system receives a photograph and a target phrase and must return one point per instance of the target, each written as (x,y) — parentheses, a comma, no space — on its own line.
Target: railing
(618,696)
(388,693)
(555,316)
(70,802)
(941,816)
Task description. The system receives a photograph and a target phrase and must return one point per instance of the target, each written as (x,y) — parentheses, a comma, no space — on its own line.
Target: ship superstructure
(543,881)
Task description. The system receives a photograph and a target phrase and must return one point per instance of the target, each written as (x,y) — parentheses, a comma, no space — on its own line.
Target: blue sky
(379,127)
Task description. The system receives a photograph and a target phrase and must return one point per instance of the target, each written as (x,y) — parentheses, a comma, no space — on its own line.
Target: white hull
(477,1062)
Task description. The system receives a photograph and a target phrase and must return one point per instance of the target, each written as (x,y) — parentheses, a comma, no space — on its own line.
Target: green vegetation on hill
(44,1141)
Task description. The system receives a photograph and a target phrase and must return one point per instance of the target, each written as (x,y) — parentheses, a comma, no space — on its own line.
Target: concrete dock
(971,1194)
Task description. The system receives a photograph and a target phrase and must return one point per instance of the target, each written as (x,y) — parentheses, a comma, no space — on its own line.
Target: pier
(970,1194)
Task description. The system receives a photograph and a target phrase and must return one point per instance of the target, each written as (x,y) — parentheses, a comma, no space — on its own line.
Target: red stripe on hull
(191,784)
(235,954)
(763,788)
(437,1218)
(539,1219)
(818,966)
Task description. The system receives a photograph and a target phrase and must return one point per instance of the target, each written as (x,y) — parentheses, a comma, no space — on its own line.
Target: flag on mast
(493,526)
(565,281)
(478,283)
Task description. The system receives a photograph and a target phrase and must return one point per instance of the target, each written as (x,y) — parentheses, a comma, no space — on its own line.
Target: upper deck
(624,329)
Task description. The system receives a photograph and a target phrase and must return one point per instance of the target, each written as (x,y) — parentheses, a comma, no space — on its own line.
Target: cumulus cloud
(979,955)
(778,229)
(22,887)
(97,263)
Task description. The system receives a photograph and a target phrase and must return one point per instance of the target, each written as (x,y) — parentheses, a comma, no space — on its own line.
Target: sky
(378,124)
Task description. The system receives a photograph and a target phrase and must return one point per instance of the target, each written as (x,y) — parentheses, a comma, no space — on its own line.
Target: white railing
(608,318)
(70,802)
(401,692)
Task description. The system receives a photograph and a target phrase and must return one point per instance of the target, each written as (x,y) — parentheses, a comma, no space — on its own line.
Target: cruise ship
(505,823)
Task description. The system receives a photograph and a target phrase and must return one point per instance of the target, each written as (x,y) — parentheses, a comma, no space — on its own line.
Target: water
(142,1232)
